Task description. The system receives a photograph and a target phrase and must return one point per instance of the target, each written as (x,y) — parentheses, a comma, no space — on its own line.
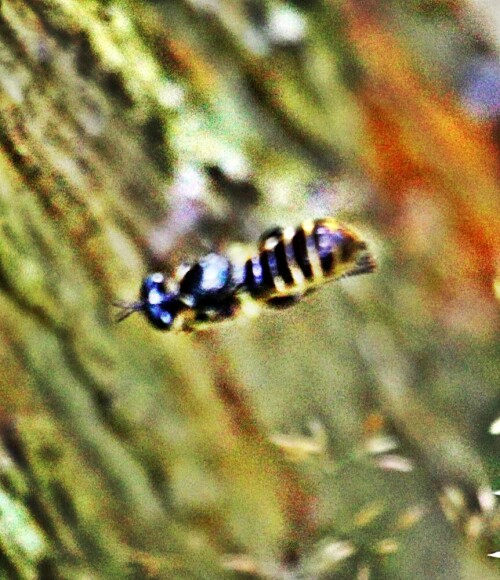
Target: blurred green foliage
(347,437)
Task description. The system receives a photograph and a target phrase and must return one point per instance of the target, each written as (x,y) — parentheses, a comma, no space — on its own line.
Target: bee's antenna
(127,308)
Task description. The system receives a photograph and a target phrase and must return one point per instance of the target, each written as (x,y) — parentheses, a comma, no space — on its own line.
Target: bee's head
(158,304)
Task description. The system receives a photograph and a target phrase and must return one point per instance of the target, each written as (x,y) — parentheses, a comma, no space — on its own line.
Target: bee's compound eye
(162,310)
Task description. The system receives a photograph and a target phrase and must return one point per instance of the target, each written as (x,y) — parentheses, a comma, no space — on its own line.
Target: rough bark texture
(315,442)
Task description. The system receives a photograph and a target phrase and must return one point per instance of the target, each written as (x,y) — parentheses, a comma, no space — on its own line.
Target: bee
(290,263)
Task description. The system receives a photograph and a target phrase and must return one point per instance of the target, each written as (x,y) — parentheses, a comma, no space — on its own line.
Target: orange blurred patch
(424,150)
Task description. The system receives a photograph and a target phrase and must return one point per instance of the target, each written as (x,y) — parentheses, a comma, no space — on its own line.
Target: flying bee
(290,263)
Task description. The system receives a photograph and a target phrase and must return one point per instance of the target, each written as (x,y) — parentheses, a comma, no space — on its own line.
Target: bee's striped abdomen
(291,261)
(325,249)
(257,278)
(283,258)
(268,272)
(300,245)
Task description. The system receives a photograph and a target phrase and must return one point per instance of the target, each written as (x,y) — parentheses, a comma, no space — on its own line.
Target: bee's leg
(282,302)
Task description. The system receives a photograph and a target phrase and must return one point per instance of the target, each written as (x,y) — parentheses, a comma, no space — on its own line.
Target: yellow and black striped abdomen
(292,261)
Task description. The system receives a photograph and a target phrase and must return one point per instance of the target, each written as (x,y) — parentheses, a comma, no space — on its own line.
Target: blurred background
(355,435)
